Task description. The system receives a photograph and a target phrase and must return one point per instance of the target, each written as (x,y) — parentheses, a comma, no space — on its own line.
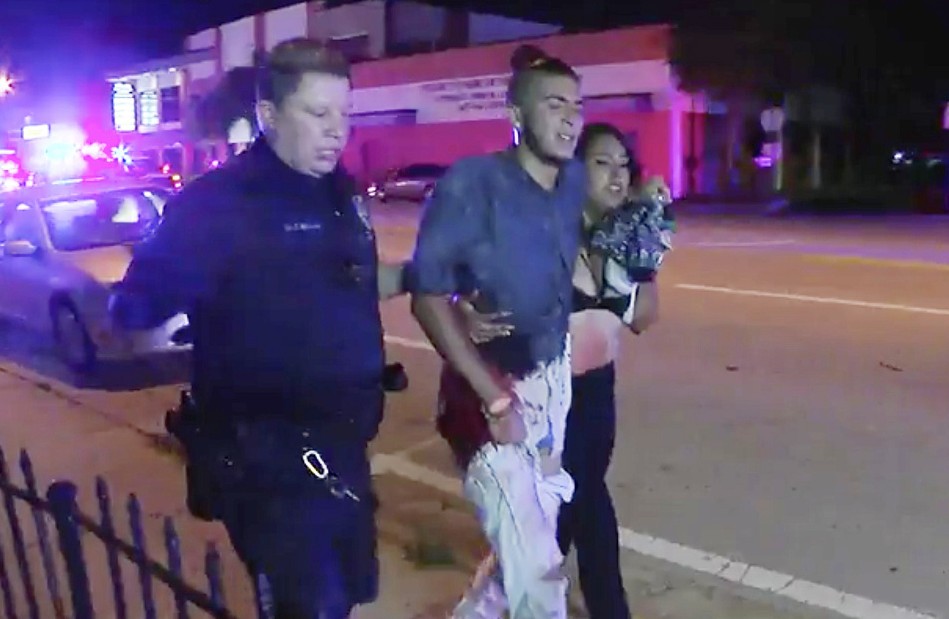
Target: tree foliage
(746,48)
(232,98)
(881,55)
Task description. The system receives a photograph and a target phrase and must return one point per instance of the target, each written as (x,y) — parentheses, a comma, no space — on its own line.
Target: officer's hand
(482,327)
(394,378)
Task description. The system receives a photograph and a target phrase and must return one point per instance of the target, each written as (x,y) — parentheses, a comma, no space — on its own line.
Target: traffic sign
(772,119)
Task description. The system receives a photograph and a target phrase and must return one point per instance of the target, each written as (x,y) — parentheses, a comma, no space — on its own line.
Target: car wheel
(427,194)
(74,346)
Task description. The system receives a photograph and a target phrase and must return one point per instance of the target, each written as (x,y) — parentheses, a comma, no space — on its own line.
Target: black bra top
(583,301)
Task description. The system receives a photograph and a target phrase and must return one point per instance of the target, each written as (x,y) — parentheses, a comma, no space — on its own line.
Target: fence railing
(73,527)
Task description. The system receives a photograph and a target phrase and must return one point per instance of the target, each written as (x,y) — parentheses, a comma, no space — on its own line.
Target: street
(782,428)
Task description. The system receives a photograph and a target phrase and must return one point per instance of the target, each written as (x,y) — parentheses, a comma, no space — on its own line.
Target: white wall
(167,79)
(286,23)
(482,97)
(363,17)
(201,40)
(237,43)
(494,28)
(202,70)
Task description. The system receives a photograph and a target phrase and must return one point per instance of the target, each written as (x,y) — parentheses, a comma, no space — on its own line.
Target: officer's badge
(363,211)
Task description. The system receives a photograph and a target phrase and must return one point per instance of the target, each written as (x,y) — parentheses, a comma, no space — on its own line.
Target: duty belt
(316,465)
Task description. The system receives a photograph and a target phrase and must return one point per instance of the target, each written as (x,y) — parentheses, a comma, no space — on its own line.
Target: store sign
(123,107)
(470,98)
(35,132)
(149,113)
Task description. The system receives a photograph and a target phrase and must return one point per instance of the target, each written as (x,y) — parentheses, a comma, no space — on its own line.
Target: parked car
(62,247)
(414,182)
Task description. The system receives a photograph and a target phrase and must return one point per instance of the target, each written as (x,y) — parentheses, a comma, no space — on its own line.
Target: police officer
(274,260)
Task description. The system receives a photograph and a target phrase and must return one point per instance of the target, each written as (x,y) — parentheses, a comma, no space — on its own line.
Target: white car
(62,248)
(415,182)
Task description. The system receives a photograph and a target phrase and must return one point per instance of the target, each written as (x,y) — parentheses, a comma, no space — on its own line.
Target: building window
(124,116)
(148,109)
(170,105)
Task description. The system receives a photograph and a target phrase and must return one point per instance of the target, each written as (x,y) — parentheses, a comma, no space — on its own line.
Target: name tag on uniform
(302,226)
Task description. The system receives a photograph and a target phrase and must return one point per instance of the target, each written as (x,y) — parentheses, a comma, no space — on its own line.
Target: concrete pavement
(781,428)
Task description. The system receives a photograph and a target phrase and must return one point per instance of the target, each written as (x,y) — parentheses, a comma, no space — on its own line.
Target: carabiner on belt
(314,462)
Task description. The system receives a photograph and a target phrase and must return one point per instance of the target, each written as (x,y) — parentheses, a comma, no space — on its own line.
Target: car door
(24,280)
(394,187)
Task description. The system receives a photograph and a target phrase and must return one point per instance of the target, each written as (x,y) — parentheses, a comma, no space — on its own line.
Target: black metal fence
(73,528)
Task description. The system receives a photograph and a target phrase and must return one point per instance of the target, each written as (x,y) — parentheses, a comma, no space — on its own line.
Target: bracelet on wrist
(498,407)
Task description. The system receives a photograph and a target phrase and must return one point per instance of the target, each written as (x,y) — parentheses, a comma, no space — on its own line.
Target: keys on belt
(317,467)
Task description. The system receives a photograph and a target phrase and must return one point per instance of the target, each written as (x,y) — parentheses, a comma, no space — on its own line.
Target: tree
(747,54)
(232,98)
(878,55)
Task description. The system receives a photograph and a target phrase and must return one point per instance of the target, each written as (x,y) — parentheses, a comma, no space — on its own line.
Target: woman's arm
(646,311)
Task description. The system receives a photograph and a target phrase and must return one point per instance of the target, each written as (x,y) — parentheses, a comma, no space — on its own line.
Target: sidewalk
(418,516)
(429,540)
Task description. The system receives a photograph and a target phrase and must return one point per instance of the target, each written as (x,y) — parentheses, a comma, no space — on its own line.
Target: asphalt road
(790,409)
(787,413)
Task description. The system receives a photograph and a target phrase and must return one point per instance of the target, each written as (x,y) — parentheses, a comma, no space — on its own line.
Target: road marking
(755,577)
(878,262)
(812,299)
(762,579)
(772,243)
(408,343)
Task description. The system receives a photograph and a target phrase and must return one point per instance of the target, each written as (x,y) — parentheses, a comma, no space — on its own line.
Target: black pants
(589,521)
(317,552)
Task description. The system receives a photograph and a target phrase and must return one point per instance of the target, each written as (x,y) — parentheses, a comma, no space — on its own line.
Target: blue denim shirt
(490,227)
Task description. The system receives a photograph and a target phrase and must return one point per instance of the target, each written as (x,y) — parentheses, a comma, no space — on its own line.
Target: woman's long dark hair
(593,131)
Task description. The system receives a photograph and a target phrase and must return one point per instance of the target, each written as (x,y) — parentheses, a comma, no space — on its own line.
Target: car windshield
(103,219)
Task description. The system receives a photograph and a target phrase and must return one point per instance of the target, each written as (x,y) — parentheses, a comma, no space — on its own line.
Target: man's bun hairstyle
(526,56)
(529,62)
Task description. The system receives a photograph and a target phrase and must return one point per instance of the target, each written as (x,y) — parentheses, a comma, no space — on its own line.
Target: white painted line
(772,243)
(403,467)
(811,299)
(785,585)
(409,343)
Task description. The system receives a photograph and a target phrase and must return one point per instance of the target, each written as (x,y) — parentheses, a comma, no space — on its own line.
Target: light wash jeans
(517,490)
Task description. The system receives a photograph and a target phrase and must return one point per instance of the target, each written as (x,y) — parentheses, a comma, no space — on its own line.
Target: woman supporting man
(627,231)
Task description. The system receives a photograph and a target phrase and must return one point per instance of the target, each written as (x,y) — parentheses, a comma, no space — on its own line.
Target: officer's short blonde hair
(279,74)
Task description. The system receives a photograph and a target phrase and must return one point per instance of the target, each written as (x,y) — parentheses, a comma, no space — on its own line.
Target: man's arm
(447,232)
(172,268)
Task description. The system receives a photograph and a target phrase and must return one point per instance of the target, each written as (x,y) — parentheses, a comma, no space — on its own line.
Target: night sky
(67,41)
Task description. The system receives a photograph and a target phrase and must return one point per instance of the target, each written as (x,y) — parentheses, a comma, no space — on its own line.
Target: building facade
(434,108)
(429,86)
(153,104)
